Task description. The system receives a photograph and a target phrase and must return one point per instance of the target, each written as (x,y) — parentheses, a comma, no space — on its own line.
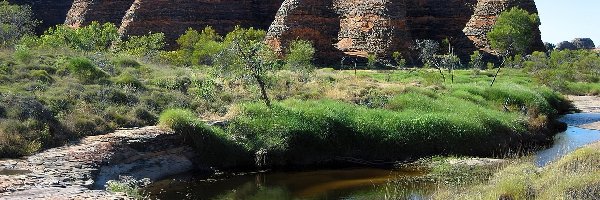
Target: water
(346,184)
(571,139)
(317,185)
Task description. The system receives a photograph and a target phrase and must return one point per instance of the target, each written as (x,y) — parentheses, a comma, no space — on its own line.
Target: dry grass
(576,176)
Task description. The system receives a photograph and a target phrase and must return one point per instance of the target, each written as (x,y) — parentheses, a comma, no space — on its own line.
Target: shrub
(85,70)
(128,80)
(143,46)
(125,62)
(128,185)
(23,54)
(178,118)
(300,56)
(15,22)
(41,75)
(93,37)
(199,48)
(213,145)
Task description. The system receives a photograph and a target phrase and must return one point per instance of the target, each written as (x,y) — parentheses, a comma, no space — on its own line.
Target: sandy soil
(587,104)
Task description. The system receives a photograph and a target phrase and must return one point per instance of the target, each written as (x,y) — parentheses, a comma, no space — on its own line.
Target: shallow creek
(343,183)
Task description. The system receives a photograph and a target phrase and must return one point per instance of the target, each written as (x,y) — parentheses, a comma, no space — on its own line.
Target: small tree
(400,64)
(300,57)
(15,22)
(371,61)
(428,54)
(427,50)
(400,61)
(199,48)
(247,55)
(476,60)
(512,34)
(549,47)
(90,38)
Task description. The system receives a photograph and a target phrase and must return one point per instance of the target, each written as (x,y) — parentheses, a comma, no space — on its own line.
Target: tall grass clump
(85,70)
(307,132)
(213,146)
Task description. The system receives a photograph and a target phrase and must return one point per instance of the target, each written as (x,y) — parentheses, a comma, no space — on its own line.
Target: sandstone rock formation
(583,43)
(564,45)
(80,170)
(83,12)
(361,27)
(336,27)
(174,17)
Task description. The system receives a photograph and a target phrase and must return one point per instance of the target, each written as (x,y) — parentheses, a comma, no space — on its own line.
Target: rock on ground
(80,170)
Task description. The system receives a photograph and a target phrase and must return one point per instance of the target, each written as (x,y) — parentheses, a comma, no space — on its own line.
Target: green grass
(575,176)
(418,122)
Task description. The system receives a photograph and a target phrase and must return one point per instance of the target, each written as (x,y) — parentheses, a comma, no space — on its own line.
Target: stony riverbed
(80,170)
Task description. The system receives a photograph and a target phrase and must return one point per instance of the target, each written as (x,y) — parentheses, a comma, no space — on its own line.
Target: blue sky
(567,19)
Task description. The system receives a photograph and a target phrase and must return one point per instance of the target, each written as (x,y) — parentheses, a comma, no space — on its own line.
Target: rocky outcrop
(174,17)
(80,170)
(83,12)
(583,43)
(485,15)
(336,27)
(361,27)
(565,45)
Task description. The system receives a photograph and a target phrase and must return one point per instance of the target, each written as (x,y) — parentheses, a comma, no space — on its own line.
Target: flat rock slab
(587,104)
(80,170)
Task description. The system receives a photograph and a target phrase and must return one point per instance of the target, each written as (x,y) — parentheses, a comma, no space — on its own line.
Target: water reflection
(321,184)
(571,139)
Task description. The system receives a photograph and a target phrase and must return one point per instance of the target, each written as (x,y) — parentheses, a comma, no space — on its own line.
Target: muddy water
(320,184)
(344,183)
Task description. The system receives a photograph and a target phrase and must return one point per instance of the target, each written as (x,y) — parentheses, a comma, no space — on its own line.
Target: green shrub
(127,79)
(145,116)
(125,62)
(300,56)
(212,144)
(41,75)
(85,70)
(23,54)
(93,37)
(142,46)
(16,21)
(178,118)
(128,185)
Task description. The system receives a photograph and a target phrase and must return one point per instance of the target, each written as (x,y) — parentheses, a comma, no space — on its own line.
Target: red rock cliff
(174,17)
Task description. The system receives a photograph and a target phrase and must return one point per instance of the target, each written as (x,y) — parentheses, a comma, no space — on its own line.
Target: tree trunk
(496,75)
(263,90)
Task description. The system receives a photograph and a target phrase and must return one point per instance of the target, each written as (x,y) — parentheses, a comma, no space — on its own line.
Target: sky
(563,20)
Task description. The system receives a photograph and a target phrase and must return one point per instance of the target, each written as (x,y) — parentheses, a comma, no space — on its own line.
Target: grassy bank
(576,176)
(412,123)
